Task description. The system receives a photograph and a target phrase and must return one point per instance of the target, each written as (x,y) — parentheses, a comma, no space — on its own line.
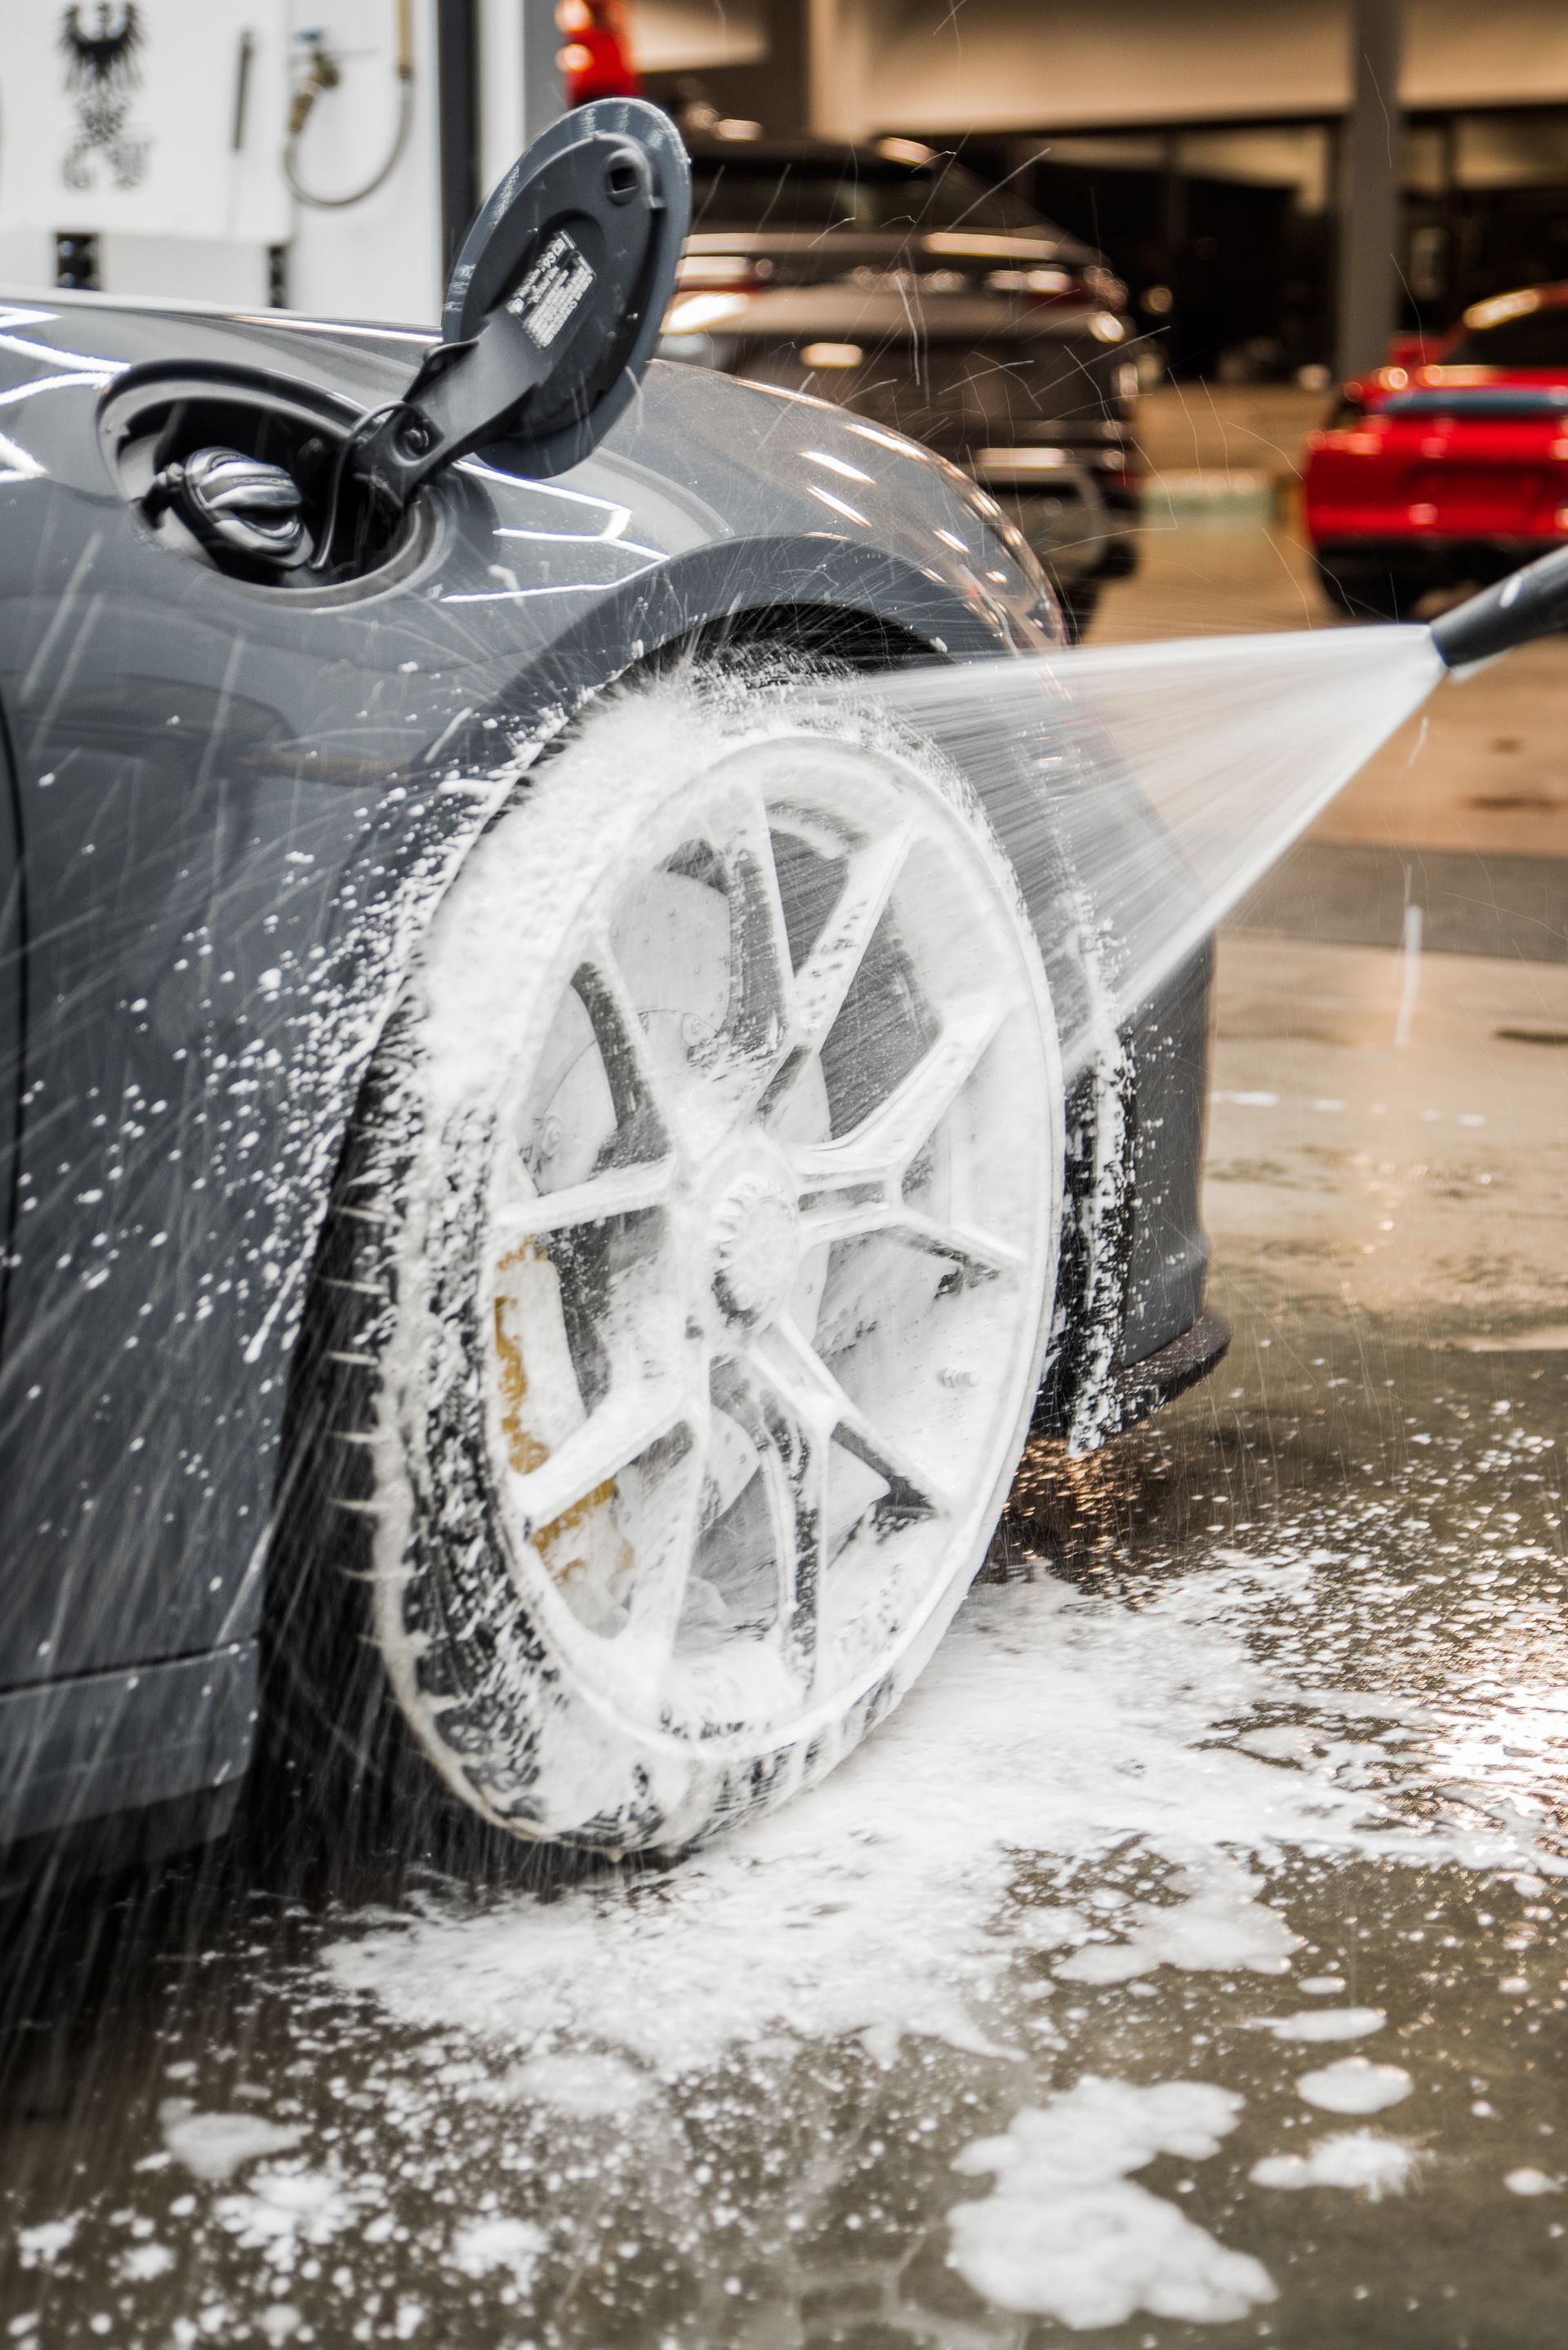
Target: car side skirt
(105,1743)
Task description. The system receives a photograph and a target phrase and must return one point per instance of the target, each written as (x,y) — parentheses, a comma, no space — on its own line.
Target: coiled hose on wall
(324,74)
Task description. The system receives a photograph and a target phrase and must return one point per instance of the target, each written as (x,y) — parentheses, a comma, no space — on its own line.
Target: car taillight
(1060,284)
(699,314)
(1041,285)
(721,273)
(595,61)
(712,289)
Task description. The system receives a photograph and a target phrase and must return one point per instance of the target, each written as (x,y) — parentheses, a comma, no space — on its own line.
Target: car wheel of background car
(1078,606)
(1371,591)
(702,1225)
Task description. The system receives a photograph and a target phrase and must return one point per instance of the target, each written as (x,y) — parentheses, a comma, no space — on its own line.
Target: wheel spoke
(855,1212)
(795,1468)
(788,1364)
(762,991)
(828,972)
(792,1460)
(617,1432)
(613,1191)
(667,1536)
(637,1085)
(802,1460)
(880,1149)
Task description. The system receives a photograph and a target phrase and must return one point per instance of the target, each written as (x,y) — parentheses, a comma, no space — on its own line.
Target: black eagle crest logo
(103,72)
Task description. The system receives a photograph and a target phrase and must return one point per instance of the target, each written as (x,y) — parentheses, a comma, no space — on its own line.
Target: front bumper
(1445,559)
(1132,1328)
(1077,506)
(1140,1389)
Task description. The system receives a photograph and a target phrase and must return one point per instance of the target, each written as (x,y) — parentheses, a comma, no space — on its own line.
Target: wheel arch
(862,607)
(855,608)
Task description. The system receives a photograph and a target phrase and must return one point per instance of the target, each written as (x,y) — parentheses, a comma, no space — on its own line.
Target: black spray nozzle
(1528,603)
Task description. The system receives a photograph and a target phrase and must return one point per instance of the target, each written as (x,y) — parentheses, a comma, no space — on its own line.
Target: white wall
(198,227)
(379,259)
(225,270)
(26,258)
(1021,63)
(684,35)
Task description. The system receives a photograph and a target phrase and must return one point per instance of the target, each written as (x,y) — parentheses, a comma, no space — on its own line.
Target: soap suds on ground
(1529,2181)
(1355,2158)
(1093,1834)
(1065,2233)
(513,2245)
(1355,2085)
(214,2146)
(1323,2024)
(888,1902)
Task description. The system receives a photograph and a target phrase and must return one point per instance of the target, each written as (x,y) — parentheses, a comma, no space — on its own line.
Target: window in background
(1223,233)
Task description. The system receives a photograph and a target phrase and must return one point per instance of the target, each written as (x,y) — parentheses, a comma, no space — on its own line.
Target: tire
(1078,606)
(704,1230)
(1370,591)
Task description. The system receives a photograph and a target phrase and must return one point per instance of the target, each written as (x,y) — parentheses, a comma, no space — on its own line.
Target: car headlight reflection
(716,351)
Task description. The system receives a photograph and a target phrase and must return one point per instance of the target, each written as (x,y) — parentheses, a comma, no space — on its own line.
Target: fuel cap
(235,505)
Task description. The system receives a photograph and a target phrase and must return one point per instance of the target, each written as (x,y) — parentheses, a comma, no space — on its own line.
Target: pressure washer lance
(1530,603)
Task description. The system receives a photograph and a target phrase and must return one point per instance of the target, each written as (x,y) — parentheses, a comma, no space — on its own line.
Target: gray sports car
(537,1182)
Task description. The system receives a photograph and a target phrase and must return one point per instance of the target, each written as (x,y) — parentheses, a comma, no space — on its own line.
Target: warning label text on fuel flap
(552,291)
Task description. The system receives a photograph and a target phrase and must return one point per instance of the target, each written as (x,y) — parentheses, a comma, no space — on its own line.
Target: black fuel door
(555,305)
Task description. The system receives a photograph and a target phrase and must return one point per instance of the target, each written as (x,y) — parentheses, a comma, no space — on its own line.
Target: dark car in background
(891,281)
(1449,467)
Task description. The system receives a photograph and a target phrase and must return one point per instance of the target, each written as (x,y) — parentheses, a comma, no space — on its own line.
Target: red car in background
(1449,470)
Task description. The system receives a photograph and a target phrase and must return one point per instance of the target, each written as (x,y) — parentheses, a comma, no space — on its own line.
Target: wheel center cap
(753,1240)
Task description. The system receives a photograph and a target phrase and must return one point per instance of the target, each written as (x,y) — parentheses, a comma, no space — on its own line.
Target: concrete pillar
(1369,189)
(838,69)
(542,99)
(519,80)
(458,120)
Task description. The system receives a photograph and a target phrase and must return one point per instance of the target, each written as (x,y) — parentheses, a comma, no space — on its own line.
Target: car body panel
(13,935)
(125,1742)
(1451,469)
(1168,1255)
(238,806)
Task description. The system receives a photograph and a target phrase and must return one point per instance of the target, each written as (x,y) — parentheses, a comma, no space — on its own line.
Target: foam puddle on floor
(1056,2002)
(884,1902)
(914,1897)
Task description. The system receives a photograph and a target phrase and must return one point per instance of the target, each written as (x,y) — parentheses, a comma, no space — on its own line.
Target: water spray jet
(1232,745)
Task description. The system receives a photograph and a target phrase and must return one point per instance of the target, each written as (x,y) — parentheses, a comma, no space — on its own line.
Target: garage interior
(1244,1776)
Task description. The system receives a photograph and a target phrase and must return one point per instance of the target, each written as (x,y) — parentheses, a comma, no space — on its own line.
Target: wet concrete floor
(1242,1779)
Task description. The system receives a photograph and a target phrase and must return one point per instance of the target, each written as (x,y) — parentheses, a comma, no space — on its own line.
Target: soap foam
(1323,2024)
(1358,2159)
(1050,1728)
(1064,2233)
(1355,2085)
